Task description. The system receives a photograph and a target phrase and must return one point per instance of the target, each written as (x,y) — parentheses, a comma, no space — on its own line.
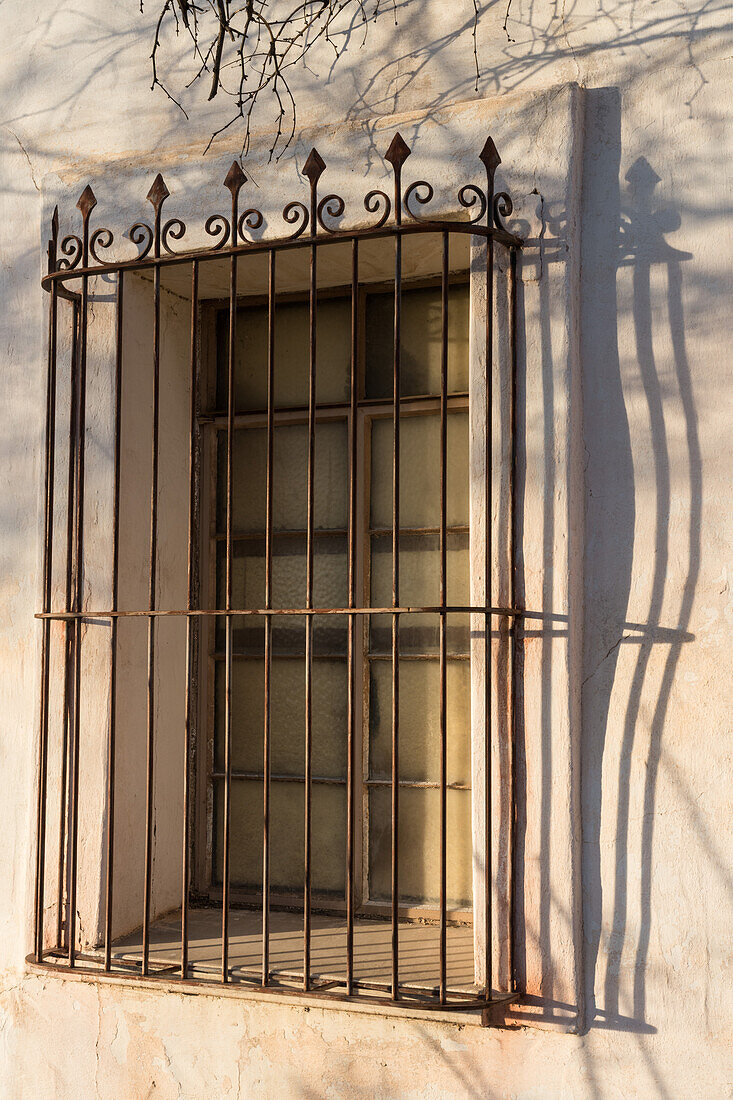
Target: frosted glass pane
(420,471)
(287,808)
(419,819)
(287,717)
(330,572)
(290,473)
(420,587)
(420,721)
(420,341)
(330,588)
(292,342)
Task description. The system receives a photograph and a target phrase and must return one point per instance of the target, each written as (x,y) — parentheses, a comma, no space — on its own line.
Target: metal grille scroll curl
(314,223)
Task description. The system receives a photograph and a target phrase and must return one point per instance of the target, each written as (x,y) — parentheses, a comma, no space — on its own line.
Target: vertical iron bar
(516,623)
(350,764)
(152,593)
(46,633)
(190,622)
(309,618)
(69,628)
(268,620)
(226,869)
(112,719)
(443,595)
(395,616)
(86,203)
(487,618)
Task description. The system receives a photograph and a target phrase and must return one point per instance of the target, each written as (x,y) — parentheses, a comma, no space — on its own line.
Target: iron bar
(234,180)
(489,412)
(501,236)
(313,170)
(152,586)
(268,619)
(112,718)
(258,612)
(516,625)
(395,617)
(190,621)
(350,670)
(86,204)
(443,601)
(69,628)
(46,631)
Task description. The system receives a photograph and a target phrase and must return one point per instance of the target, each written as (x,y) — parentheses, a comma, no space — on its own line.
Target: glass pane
(419,819)
(420,341)
(420,587)
(287,716)
(290,478)
(420,471)
(330,588)
(420,721)
(292,342)
(287,809)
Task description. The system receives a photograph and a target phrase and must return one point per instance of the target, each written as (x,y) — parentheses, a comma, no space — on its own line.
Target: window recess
(272,700)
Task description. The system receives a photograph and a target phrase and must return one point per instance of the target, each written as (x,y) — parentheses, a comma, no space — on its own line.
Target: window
(420,585)
(269,711)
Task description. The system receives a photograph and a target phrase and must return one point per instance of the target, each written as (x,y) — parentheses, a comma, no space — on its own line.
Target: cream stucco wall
(624,184)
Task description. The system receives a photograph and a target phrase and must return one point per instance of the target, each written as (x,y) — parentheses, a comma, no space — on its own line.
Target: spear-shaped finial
(158,193)
(233,181)
(234,178)
(87,201)
(313,169)
(491,160)
(397,154)
(53,240)
(314,166)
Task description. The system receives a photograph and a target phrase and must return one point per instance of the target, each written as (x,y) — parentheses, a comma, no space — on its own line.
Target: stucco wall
(644,503)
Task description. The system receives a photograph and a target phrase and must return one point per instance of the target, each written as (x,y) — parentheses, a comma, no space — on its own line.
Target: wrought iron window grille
(75,260)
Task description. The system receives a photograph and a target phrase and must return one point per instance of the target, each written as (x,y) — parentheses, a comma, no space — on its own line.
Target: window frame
(367,410)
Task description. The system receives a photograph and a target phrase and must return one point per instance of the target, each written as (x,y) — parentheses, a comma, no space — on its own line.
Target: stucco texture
(628,874)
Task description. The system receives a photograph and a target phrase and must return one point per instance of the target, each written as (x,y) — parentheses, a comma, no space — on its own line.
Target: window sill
(496,1016)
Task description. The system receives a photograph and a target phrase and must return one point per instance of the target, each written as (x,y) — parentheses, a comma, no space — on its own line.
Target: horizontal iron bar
(170,975)
(263,612)
(283,244)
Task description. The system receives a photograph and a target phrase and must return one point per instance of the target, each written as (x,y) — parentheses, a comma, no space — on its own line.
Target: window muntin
(420,585)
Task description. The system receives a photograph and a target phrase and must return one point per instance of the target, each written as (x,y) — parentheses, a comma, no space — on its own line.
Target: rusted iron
(312,224)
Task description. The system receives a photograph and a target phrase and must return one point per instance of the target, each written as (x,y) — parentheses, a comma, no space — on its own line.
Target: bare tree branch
(249,38)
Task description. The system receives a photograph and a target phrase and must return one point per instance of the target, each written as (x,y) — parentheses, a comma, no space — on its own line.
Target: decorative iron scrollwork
(71,248)
(334,206)
(372,203)
(142,235)
(217,223)
(173,229)
(296,212)
(503,208)
(250,219)
(100,238)
(422,192)
(317,215)
(468,196)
